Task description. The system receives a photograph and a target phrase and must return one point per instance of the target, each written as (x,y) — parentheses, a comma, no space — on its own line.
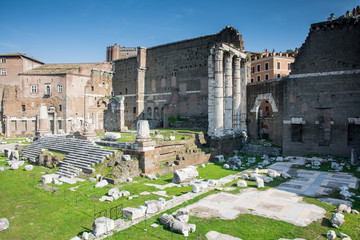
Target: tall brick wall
(322,93)
(176,78)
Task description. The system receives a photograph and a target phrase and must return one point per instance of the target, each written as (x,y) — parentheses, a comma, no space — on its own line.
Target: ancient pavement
(272,203)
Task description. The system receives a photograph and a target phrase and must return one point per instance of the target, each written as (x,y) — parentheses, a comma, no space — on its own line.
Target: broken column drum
(143,131)
(225,91)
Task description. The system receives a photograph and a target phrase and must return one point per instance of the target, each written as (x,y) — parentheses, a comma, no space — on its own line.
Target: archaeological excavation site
(191,139)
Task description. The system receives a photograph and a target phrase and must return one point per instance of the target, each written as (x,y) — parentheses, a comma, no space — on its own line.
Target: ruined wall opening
(353,135)
(264,120)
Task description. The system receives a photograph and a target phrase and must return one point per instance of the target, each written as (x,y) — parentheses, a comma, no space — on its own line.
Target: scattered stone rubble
(178,222)
(337,220)
(4,224)
(185,175)
(103,226)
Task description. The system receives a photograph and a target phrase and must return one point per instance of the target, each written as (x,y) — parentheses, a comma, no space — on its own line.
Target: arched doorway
(263,112)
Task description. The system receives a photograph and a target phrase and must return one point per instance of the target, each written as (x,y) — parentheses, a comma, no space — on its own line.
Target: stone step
(77,163)
(82,160)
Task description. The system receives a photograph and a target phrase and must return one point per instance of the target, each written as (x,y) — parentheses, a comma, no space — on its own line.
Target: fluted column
(219,94)
(236,94)
(211,100)
(245,74)
(228,114)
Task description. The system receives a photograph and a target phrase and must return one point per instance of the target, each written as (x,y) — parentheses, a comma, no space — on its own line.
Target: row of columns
(226,85)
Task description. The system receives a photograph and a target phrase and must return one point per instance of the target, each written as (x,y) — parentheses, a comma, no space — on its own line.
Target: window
(258,67)
(278,65)
(149,112)
(23,108)
(47,89)
(252,69)
(252,80)
(60,108)
(266,76)
(296,132)
(3,72)
(3,60)
(125,90)
(278,75)
(60,88)
(266,66)
(134,110)
(258,78)
(33,89)
(353,134)
(289,66)
(92,88)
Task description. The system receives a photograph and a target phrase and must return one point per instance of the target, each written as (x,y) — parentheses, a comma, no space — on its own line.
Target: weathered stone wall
(271,91)
(176,78)
(322,94)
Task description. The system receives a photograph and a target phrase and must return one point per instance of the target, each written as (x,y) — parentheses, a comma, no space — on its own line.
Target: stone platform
(272,203)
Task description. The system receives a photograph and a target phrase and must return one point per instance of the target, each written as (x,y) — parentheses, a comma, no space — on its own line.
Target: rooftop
(66,68)
(20,55)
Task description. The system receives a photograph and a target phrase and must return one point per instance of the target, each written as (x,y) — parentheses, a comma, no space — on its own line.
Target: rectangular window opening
(296,132)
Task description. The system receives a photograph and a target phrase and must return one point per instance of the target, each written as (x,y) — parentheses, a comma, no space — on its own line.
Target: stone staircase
(81,155)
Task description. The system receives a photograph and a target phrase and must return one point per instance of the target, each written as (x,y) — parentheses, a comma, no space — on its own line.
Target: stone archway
(264,120)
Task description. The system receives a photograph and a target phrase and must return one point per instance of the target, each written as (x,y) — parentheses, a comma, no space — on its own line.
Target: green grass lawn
(35,213)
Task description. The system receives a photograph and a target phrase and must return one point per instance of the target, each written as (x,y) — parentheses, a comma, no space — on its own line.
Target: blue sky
(71,31)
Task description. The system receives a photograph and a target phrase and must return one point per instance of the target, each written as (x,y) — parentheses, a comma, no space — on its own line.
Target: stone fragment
(143,209)
(4,224)
(226,166)
(185,175)
(202,165)
(213,235)
(45,179)
(166,219)
(219,159)
(103,225)
(273,173)
(279,159)
(126,157)
(101,184)
(132,213)
(14,166)
(2,168)
(7,153)
(342,235)
(106,198)
(245,176)
(151,176)
(14,155)
(85,236)
(259,182)
(285,175)
(354,211)
(125,193)
(266,179)
(28,167)
(180,227)
(172,138)
(144,193)
(331,234)
(75,238)
(154,225)
(56,182)
(92,180)
(251,160)
(183,218)
(130,179)
(241,183)
(112,136)
(337,220)
(196,188)
(154,206)
(192,227)
(113,191)
(343,208)
(213,183)
(253,176)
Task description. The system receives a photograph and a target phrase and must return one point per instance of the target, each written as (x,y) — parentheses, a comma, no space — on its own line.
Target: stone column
(7,127)
(211,100)
(228,114)
(121,113)
(43,120)
(219,94)
(143,140)
(236,94)
(245,75)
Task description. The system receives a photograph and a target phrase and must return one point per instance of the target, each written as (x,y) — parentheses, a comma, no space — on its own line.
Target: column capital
(219,53)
